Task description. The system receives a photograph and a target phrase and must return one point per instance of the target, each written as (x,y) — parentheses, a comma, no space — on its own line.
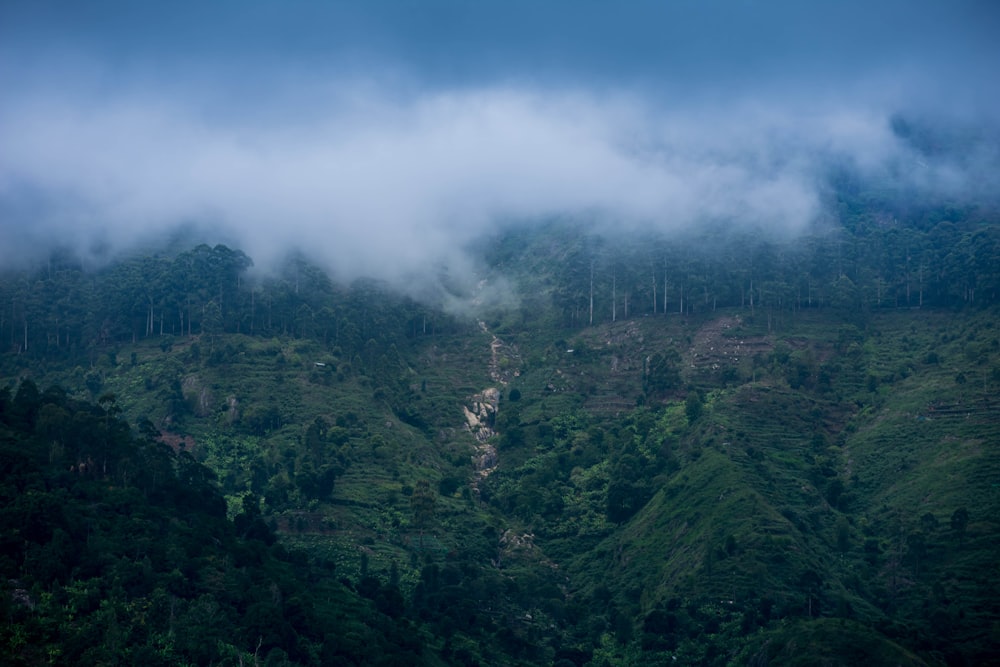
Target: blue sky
(383,136)
(464,42)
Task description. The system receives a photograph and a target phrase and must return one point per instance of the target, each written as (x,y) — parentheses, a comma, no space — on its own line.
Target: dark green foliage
(662,375)
(693,406)
(422,504)
(959,521)
(827,642)
(116,550)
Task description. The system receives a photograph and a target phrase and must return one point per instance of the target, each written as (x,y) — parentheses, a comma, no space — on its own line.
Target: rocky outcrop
(197,395)
(481,413)
(486,459)
(505,360)
(481,417)
(480,420)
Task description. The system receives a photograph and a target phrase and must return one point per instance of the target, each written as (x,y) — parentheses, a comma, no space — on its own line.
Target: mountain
(722,448)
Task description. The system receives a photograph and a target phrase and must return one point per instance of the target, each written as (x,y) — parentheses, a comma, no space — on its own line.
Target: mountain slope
(741,460)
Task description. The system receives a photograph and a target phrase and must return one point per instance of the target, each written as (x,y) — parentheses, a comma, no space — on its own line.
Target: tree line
(60,309)
(873,257)
(870,259)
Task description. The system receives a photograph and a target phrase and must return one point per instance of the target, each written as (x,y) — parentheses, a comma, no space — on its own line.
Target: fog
(381,138)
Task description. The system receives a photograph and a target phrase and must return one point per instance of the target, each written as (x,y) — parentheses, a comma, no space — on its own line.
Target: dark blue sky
(387,134)
(704,44)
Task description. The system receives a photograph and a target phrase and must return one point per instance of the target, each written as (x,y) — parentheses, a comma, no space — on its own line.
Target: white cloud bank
(386,185)
(380,138)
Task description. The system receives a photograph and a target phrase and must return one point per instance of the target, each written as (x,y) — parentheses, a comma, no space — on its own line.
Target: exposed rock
(486,459)
(233,414)
(714,348)
(514,546)
(481,417)
(481,414)
(178,443)
(505,359)
(197,396)
(20,596)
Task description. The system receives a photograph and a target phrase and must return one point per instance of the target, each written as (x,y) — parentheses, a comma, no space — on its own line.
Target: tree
(844,295)
(959,522)
(693,406)
(624,500)
(662,373)
(422,504)
(811,584)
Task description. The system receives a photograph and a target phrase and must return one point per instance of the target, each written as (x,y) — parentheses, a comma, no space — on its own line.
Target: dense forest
(117,550)
(720,447)
(877,255)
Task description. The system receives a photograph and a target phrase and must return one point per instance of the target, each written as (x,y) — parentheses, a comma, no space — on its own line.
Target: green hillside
(718,450)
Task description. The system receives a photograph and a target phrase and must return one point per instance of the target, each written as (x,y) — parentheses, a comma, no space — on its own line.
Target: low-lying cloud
(380,142)
(372,183)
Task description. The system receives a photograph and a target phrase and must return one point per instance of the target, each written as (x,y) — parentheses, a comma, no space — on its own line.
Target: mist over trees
(878,257)
(62,309)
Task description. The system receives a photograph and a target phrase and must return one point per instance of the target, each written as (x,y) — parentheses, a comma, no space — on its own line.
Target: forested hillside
(718,447)
(117,550)
(877,255)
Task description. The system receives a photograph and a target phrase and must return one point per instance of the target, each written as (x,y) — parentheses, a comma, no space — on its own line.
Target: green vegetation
(760,452)
(117,550)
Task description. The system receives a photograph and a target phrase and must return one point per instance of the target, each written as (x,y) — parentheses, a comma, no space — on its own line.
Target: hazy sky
(382,136)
